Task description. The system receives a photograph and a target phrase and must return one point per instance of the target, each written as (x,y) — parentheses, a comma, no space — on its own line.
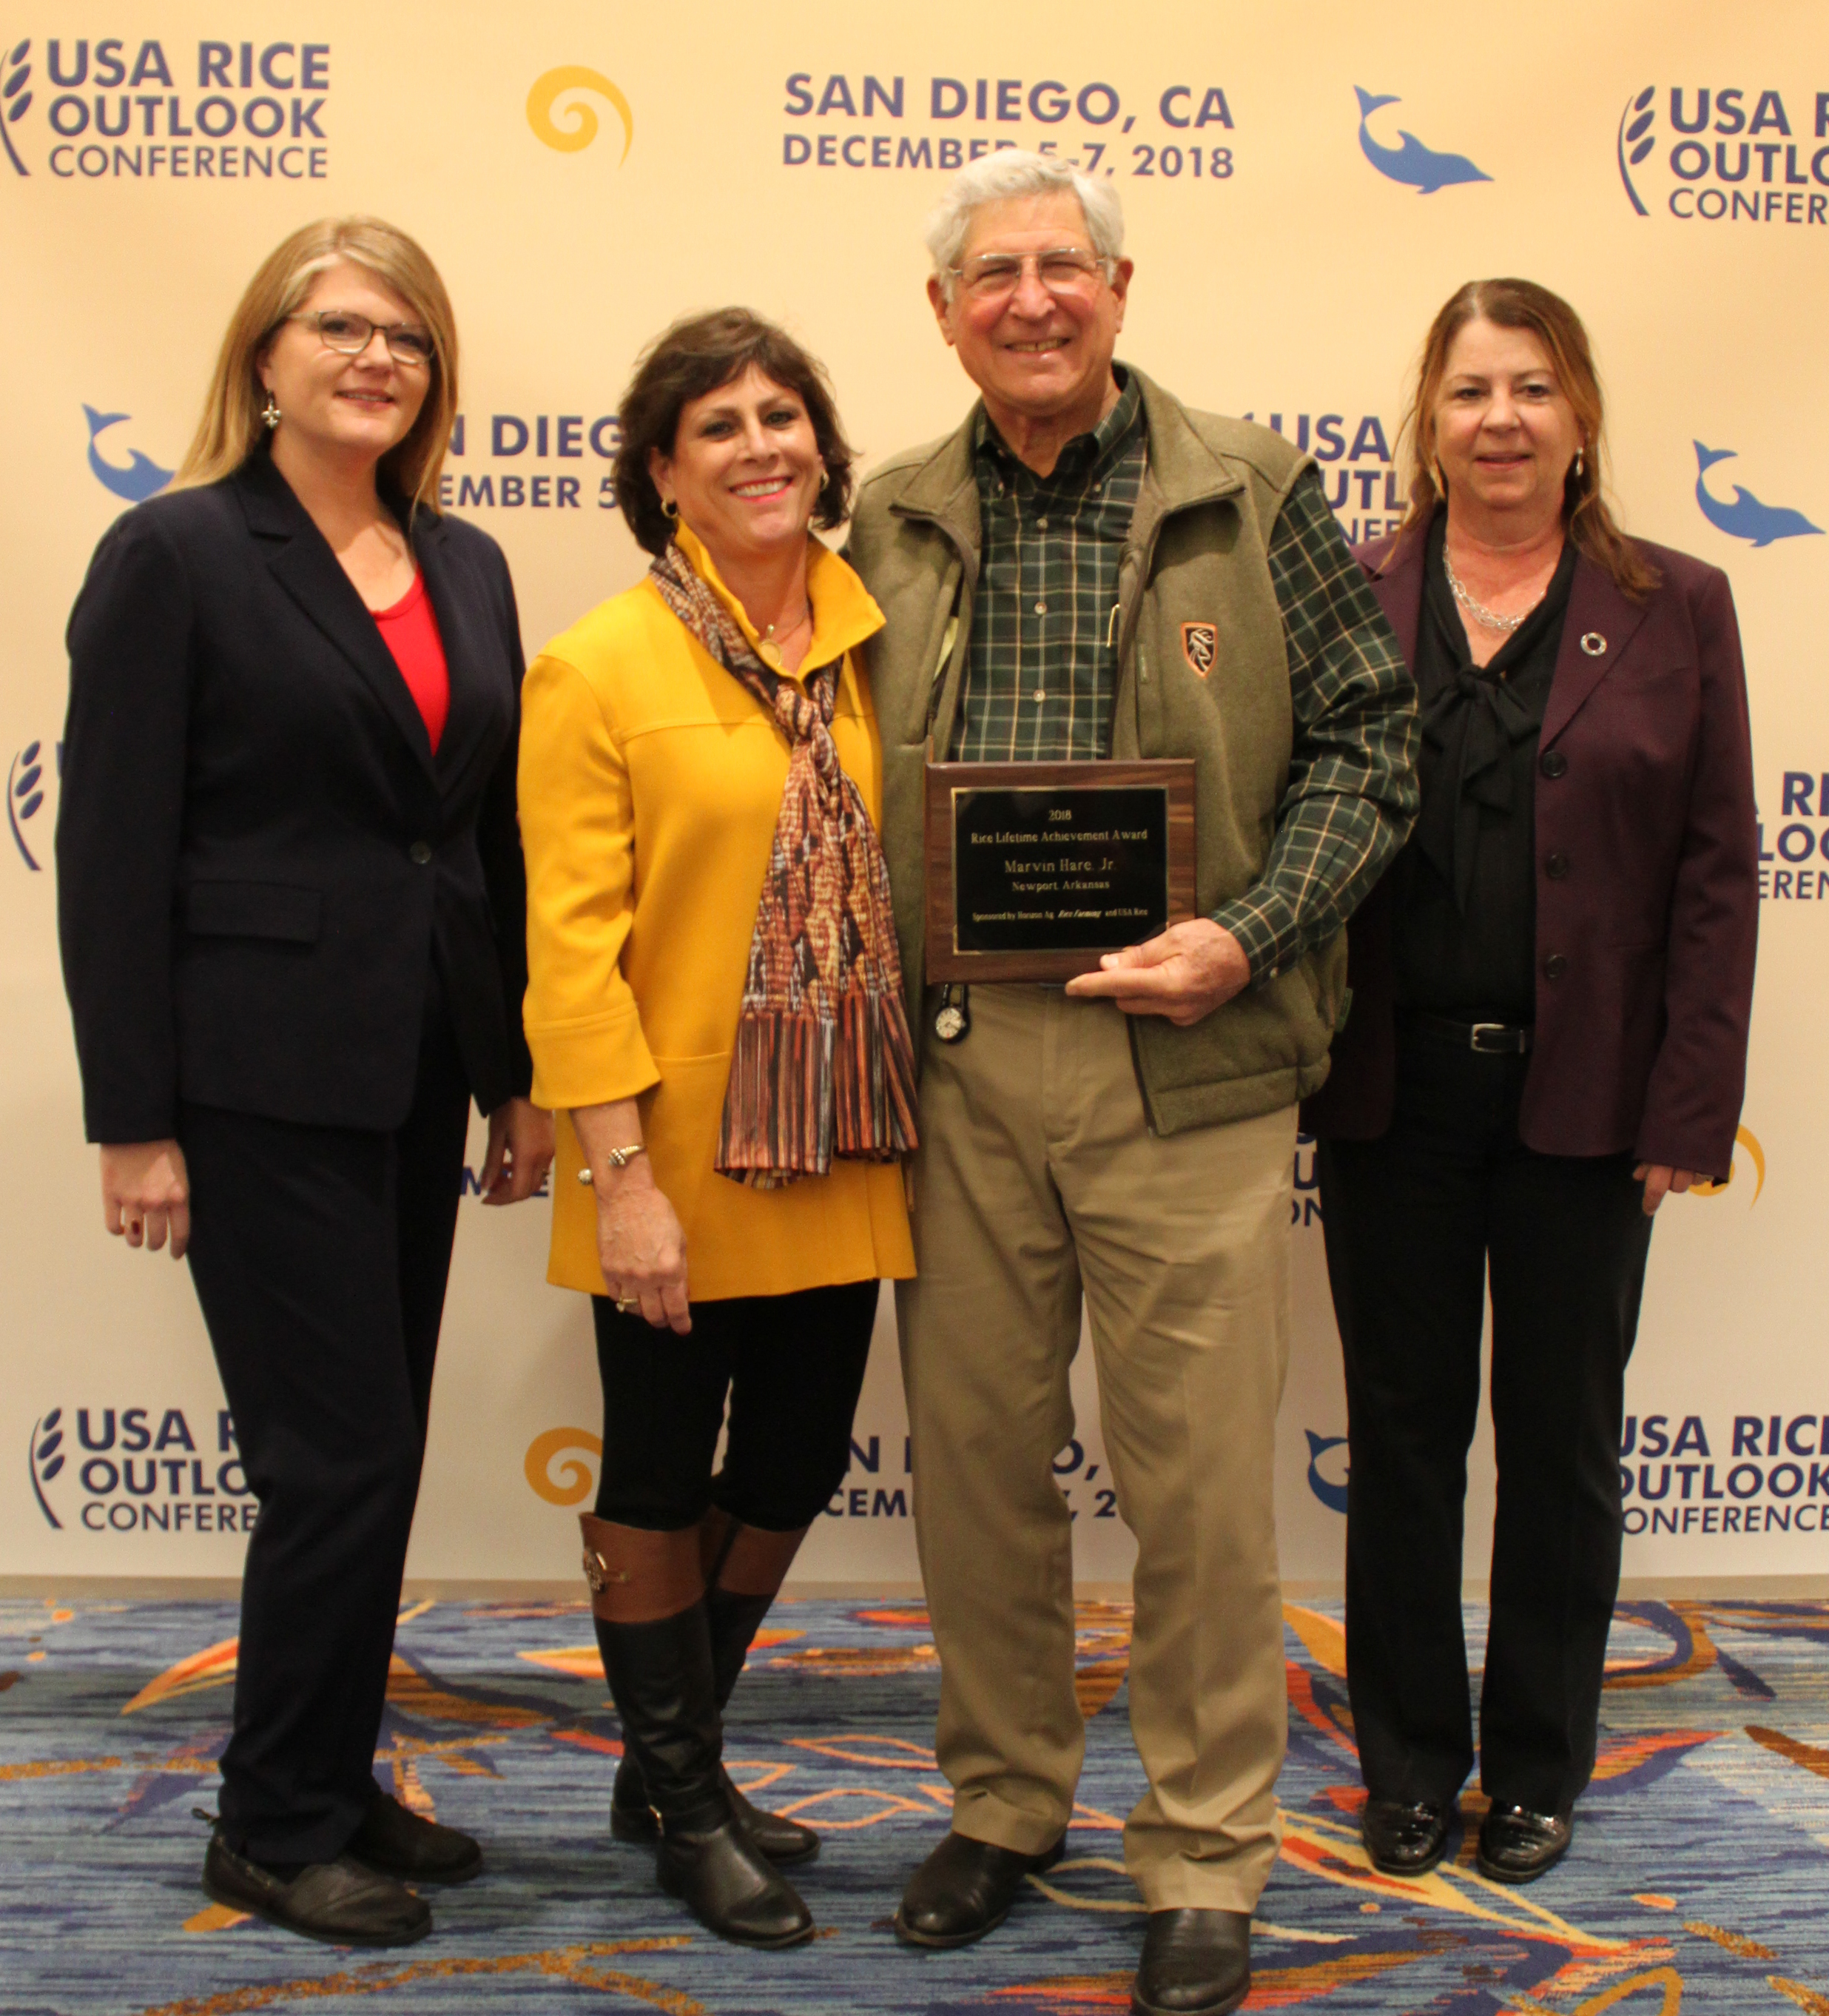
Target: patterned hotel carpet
(1699,1878)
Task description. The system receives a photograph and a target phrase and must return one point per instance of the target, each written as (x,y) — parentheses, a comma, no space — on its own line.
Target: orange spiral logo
(577,125)
(572,1483)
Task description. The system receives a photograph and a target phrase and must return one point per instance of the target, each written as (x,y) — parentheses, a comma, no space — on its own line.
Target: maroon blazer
(1647,887)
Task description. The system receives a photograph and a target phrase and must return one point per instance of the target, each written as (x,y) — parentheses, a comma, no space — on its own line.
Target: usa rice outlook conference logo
(139,1470)
(1730,154)
(145,108)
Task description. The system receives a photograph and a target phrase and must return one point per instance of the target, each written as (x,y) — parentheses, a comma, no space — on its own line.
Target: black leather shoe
(1195,1963)
(964,1889)
(340,1903)
(397,1842)
(729,1888)
(1517,1845)
(632,1819)
(1404,1839)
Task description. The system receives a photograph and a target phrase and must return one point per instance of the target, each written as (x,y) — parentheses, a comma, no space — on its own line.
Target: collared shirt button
(1556,864)
(419,853)
(1553,763)
(1041,608)
(1041,524)
(1555,965)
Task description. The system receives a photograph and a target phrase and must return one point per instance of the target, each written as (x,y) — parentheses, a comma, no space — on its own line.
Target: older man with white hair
(1086,570)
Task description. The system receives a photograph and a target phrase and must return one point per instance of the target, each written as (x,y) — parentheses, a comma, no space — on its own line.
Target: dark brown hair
(1523,305)
(697,356)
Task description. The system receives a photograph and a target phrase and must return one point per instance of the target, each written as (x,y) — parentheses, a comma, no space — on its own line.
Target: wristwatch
(618,1158)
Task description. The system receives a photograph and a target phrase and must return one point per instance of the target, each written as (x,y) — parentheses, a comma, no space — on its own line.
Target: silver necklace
(1479,610)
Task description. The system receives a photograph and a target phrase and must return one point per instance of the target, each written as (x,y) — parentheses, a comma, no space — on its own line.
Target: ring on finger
(627,1305)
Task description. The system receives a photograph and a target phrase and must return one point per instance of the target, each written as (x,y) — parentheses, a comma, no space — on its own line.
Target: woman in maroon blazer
(1551,992)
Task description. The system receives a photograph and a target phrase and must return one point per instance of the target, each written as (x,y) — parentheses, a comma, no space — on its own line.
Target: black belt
(1488,1039)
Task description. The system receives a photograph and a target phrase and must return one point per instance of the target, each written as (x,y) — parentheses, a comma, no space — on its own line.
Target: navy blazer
(1647,880)
(260,859)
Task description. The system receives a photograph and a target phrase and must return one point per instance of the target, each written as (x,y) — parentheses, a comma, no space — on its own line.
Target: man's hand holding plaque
(1183,973)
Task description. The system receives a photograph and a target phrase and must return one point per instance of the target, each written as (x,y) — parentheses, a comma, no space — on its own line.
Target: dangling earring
(1578,465)
(1441,481)
(269,413)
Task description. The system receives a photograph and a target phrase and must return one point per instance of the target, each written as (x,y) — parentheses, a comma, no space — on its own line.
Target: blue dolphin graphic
(142,479)
(1746,517)
(1332,1495)
(1413,162)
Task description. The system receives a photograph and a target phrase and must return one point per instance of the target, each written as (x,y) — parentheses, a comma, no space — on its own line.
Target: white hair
(1012,172)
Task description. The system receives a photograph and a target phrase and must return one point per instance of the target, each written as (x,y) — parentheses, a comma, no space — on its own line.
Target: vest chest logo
(1200,646)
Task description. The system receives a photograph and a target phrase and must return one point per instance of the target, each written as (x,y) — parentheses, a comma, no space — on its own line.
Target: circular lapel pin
(1594,644)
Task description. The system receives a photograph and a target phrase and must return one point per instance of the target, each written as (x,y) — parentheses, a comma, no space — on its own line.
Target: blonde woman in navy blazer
(291,907)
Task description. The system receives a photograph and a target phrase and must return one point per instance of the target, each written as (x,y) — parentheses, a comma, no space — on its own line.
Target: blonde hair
(232,429)
(1523,305)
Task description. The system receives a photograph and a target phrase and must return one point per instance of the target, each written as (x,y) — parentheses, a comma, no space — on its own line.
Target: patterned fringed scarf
(822,1064)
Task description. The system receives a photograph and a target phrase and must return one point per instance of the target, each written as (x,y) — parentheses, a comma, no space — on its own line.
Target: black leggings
(792,1366)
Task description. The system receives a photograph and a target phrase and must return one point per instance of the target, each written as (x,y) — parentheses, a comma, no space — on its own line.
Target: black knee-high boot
(653,1630)
(745,1566)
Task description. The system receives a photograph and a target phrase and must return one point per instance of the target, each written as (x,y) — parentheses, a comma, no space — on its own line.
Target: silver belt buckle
(1507,1038)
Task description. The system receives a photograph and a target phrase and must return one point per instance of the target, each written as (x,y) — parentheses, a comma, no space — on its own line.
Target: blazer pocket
(254,910)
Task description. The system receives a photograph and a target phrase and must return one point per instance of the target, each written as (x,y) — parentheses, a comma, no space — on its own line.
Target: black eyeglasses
(351,334)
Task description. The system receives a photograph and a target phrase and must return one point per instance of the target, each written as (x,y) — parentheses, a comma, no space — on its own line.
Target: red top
(410,631)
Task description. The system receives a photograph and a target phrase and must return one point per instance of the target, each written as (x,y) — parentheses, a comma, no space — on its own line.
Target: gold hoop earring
(269,413)
(670,510)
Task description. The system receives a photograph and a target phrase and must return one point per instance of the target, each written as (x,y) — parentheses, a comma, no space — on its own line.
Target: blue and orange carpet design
(1698,1881)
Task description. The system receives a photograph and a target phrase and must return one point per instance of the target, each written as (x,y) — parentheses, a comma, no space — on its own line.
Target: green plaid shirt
(1041,679)
(1042,676)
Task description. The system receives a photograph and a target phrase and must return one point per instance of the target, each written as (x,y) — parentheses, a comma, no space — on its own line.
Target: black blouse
(1465,934)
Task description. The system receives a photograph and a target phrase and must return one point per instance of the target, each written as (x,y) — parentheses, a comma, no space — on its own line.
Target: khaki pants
(1037,1181)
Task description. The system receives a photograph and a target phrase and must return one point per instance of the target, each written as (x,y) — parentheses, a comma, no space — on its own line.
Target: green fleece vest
(1196,555)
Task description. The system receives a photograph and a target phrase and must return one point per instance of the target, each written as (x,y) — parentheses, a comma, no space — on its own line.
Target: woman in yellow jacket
(715,1011)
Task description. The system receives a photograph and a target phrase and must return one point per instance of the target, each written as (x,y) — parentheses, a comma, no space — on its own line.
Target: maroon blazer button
(1555,763)
(1555,965)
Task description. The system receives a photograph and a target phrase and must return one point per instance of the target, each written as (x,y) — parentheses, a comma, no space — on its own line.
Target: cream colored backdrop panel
(1291,242)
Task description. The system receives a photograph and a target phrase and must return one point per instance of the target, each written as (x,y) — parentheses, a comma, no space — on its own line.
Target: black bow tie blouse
(1466,911)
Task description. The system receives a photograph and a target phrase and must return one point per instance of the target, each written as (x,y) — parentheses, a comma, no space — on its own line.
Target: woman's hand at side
(641,1244)
(146,1194)
(519,1154)
(1659,1179)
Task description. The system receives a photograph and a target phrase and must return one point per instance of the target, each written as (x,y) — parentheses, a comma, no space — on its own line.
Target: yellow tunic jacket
(650,784)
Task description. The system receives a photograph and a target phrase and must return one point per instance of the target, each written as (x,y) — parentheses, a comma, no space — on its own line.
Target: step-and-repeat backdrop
(1303,190)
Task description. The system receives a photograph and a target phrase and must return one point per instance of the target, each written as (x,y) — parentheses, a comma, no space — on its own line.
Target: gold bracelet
(618,1159)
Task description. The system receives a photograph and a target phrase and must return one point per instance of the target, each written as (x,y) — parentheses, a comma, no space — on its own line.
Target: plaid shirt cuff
(1267,928)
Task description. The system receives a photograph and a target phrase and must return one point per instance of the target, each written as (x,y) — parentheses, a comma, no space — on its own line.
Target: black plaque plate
(1035,869)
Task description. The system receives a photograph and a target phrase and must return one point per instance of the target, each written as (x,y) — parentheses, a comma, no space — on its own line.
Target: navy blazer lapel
(301,561)
(1597,626)
(458,630)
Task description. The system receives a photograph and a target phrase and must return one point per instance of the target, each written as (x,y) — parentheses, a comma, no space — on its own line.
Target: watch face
(949,1024)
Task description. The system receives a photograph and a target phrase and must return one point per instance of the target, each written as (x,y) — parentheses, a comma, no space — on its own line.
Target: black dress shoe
(397,1842)
(1404,1839)
(1517,1845)
(632,1819)
(340,1903)
(964,1889)
(1195,1963)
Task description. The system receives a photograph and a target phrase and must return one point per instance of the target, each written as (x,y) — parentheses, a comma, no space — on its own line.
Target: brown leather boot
(647,1599)
(745,1566)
